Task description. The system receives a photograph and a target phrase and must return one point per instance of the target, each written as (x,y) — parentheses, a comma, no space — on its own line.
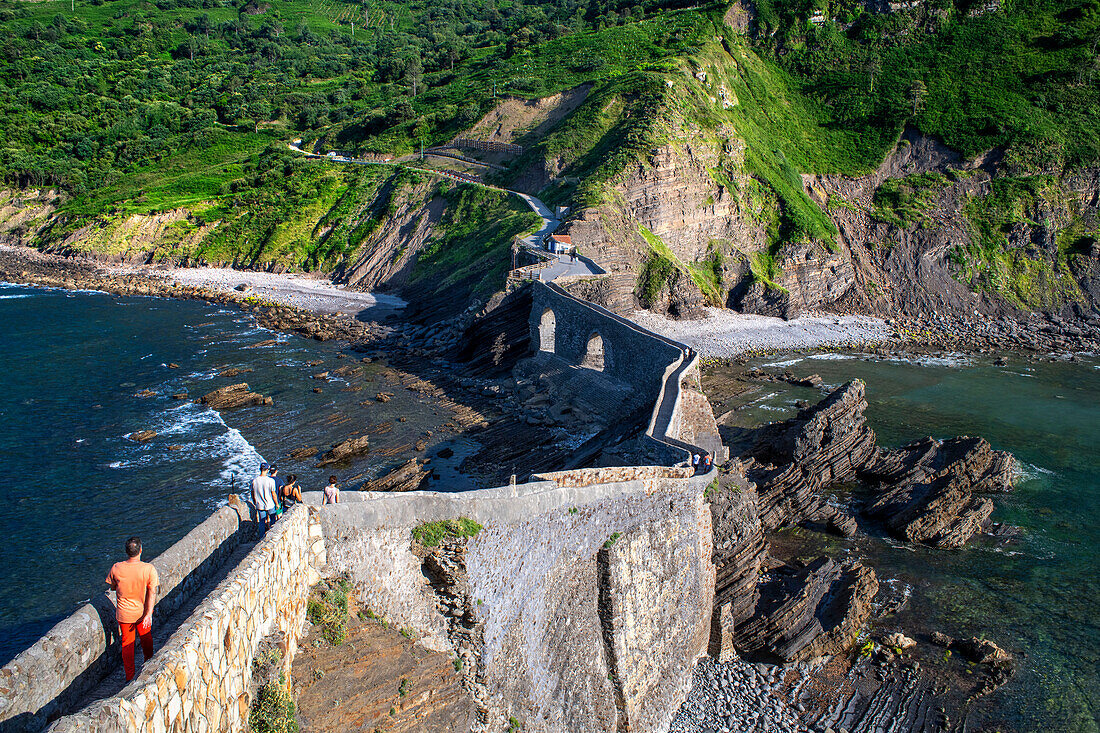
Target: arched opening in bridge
(594,353)
(547,326)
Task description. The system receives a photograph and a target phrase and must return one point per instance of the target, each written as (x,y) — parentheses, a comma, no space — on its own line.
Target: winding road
(563,265)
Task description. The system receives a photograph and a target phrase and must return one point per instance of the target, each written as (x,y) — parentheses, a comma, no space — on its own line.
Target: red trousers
(127,632)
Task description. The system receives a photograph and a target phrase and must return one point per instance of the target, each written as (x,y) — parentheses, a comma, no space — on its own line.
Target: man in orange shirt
(135,585)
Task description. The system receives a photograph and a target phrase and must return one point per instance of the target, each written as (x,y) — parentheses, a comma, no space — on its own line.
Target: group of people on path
(272,495)
(701,463)
(136,583)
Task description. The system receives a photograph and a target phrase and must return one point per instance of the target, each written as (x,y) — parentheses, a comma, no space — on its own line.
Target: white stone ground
(728,334)
(302,291)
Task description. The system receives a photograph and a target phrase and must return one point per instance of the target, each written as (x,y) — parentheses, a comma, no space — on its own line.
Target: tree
(917,94)
(414,73)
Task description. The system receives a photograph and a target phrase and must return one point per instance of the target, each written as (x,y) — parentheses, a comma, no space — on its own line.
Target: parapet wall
(578,606)
(201,679)
(60,669)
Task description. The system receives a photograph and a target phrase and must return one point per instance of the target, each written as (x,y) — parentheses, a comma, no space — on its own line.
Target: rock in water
(350,448)
(233,396)
(409,476)
(928,488)
(898,640)
(793,460)
(804,613)
(142,436)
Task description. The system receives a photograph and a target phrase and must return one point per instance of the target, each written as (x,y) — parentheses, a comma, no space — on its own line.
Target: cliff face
(699,220)
(28,216)
(568,611)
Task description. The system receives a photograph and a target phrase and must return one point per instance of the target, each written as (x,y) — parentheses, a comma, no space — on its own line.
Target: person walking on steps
(135,585)
(263,498)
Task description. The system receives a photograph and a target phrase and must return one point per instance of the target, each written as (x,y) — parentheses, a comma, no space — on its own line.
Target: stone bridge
(586,598)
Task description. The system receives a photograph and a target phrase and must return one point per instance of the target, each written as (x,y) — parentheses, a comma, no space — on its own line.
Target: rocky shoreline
(842,664)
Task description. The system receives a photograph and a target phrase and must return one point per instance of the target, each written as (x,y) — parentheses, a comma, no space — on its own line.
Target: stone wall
(200,681)
(57,672)
(578,606)
(630,353)
(649,366)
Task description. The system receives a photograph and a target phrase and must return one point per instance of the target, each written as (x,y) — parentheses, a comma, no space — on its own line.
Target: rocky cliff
(929,491)
(706,215)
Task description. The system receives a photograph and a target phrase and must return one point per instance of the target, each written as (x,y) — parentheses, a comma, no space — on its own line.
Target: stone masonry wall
(48,679)
(631,354)
(200,681)
(588,603)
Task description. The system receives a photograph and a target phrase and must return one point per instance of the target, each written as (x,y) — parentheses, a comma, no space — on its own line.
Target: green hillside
(133,107)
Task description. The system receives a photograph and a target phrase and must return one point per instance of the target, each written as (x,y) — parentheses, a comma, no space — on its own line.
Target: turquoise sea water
(73,488)
(1037,595)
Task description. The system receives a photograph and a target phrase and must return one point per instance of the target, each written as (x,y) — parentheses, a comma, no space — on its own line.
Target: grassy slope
(813,108)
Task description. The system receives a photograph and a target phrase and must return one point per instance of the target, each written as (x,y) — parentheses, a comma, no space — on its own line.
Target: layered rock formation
(928,489)
(791,613)
(739,553)
(807,612)
(409,476)
(345,450)
(792,461)
(382,680)
(924,492)
(232,397)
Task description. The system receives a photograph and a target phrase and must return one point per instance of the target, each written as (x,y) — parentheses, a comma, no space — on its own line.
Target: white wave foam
(833,356)
(202,435)
(1029,472)
(13,297)
(785,363)
(952,361)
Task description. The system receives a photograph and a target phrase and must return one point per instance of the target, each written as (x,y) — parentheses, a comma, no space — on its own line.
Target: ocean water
(73,487)
(1036,595)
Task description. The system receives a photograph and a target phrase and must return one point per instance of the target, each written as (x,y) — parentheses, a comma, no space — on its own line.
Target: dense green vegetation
(474,240)
(1024,274)
(98,90)
(431,534)
(149,106)
(327,609)
(273,711)
(1025,75)
(908,201)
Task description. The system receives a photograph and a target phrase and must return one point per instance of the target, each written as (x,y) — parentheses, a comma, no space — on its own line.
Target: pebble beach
(726,334)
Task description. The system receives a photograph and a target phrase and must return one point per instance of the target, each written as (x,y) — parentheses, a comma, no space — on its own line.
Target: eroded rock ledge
(926,492)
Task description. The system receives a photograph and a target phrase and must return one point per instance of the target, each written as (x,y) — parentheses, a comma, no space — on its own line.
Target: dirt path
(377,680)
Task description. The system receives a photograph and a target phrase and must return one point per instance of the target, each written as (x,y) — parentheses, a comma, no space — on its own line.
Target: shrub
(327,608)
(431,534)
(273,709)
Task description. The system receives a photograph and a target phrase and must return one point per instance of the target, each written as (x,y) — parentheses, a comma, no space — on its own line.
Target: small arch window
(547,327)
(594,357)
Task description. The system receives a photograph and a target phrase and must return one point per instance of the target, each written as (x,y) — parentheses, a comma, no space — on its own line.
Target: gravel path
(727,334)
(302,291)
